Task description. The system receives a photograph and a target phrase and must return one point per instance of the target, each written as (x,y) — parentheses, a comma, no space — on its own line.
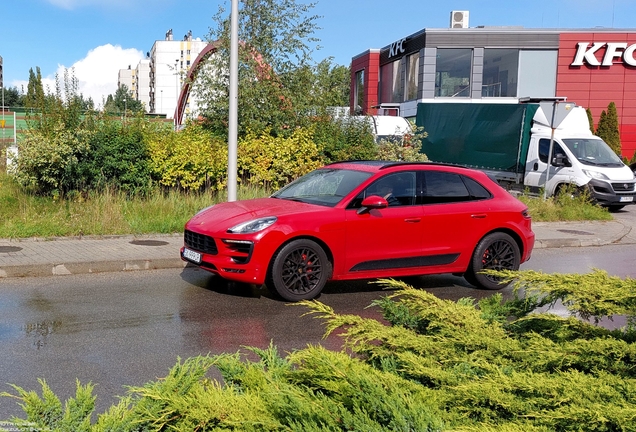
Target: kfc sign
(613,50)
(397,48)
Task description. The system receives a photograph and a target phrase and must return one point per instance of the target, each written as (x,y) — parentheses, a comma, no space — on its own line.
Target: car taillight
(526,214)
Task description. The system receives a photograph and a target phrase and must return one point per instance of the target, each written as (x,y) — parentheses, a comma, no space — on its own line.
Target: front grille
(200,242)
(623,187)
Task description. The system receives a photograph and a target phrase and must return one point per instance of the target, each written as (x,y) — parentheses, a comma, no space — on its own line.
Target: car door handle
(412,220)
(479,216)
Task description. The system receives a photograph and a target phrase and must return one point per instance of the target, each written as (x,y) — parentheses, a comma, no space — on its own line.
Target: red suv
(361,220)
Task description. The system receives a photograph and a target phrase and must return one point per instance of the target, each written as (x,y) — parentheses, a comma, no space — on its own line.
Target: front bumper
(613,193)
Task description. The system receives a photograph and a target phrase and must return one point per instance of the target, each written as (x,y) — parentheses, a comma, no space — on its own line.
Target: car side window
(397,188)
(544,149)
(443,187)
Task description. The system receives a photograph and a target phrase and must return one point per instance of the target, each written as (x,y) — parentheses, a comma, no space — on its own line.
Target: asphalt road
(117,329)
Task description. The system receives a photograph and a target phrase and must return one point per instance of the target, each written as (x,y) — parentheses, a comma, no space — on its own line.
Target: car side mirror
(372,202)
(561,161)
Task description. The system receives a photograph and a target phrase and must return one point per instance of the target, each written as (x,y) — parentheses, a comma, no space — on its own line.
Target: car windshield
(325,186)
(593,151)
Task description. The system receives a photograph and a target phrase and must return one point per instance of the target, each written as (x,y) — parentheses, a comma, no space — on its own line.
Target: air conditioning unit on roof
(459,19)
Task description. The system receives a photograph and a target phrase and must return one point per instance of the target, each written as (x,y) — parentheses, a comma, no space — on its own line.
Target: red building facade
(595,69)
(590,68)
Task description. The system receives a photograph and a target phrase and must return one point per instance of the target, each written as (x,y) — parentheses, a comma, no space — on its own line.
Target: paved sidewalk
(72,255)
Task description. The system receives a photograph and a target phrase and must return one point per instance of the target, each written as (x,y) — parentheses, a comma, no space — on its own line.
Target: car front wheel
(496,251)
(299,270)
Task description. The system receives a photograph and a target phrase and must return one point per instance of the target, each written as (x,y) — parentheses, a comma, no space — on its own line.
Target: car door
(537,168)
(384,239)
(455,216)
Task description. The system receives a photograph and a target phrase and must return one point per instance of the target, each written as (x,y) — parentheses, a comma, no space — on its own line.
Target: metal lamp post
(176,76)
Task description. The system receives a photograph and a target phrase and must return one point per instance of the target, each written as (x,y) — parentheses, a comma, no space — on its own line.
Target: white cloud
(96,73)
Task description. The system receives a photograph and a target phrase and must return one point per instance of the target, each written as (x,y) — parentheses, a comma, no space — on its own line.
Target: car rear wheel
(299,270)
(496,251)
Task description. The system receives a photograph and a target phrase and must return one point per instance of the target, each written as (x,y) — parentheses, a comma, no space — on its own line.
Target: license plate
(192,256)
(627,199)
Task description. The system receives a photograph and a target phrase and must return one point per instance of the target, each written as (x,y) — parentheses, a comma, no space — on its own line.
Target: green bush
(190,159)
(117,158)
(340,140)
(430,365)
(275,161)
(49,163)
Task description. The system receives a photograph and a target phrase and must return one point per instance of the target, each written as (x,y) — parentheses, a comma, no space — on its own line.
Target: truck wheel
(496,251)
(299,270)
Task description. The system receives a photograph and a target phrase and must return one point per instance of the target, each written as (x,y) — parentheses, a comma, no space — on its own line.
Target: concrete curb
(41,270)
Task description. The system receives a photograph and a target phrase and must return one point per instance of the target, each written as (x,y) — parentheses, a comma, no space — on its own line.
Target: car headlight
(595,175)
(253,226)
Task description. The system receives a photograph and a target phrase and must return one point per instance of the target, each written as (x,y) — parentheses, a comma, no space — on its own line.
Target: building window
(500,73)
(358,103)
(452,72)
(413,65)
(390,82)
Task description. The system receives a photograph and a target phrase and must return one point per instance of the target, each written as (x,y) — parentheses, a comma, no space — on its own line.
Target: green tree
(35,91)
(13,97)
(276,43)
(607,128)
(590,119)
(122,101)
(332,84)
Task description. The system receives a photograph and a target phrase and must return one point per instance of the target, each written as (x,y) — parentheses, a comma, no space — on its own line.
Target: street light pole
(233,111)
(176,104)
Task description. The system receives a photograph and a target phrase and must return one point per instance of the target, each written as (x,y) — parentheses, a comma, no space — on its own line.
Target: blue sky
(98,37)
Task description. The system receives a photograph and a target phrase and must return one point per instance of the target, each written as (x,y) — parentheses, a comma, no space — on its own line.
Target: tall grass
(106,213)
(111,212)
(567,206)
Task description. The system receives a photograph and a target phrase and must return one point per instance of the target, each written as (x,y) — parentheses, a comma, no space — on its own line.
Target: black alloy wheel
(496,251)
(299,270)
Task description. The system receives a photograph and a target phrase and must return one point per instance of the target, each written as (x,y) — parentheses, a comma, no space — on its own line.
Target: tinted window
(443,187)
(544,148)
(397,188)
(476,190)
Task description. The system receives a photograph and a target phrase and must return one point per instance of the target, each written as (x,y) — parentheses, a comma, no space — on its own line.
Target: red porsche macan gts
(362,220)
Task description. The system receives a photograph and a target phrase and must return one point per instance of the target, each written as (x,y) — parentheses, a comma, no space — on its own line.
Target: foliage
(35,90)
(429,365)
(344,139)
(274,58)
(408,148)
(607,128)
(122,103)
(568,205)
(118,158)
(590,119)
(48,163)
(274,162)
(105,212)
(13,97)
(189,159)
(332,84)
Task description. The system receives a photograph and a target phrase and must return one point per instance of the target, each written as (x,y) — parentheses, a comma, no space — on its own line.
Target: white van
(389,127)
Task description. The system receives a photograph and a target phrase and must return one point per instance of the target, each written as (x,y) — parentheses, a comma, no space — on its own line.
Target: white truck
(514,142)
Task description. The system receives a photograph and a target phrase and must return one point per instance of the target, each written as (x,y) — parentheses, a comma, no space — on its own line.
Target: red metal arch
(187,85)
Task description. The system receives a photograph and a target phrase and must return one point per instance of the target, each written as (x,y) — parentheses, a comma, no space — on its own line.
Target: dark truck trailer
(513,142)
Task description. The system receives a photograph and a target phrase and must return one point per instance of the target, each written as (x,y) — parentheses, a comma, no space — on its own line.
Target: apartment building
(158,79)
